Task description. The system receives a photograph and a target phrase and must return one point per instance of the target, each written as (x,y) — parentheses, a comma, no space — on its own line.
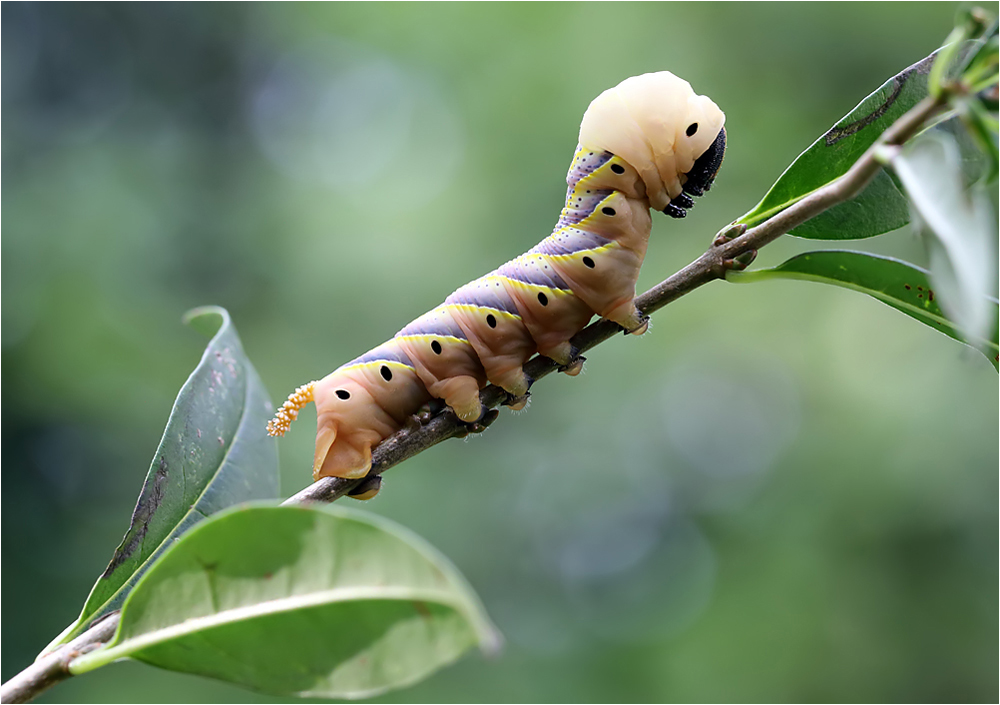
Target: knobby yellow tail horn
(289,411)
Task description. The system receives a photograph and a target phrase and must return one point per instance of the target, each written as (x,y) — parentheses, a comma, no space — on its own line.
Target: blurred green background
(783,492)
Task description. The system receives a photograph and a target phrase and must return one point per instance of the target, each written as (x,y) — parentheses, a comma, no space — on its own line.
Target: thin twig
(710,266)
(54,667)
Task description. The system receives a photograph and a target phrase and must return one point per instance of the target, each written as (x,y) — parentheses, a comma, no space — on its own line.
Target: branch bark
(710,266)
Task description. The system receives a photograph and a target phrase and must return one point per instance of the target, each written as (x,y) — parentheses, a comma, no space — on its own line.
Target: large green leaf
(300,601)
(899,284)
(881,207)
(214,453)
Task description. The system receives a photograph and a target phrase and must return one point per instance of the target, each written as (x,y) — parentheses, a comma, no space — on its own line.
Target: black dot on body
(608,211)
(436,347)
(618,168)
(343,394)
(543,299)
(386,373)
(491,321)
(692,128)
(589,262)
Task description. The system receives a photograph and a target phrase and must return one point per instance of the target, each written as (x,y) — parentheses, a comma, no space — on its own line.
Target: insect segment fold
(650,141)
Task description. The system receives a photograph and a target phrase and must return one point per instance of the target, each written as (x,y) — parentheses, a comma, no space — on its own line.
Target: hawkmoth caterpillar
(648,142)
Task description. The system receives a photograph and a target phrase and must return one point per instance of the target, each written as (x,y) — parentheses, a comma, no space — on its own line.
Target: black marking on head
(702,174)
(543,299)
(674,211)
(386,373)
(618,168)
(343,394)
(436,347)
(692,129)
(491,321)
(589,262)
(608,211)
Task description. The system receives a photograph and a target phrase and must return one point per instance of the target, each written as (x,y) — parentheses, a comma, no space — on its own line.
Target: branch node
(729,233)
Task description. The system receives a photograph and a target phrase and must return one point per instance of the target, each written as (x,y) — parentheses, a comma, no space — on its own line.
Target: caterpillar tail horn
(289,411)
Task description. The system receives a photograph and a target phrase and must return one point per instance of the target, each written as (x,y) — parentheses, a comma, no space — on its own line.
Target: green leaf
(898,284)
(982,129)
(959,227)
(214,453)
(881,207)
(300,601)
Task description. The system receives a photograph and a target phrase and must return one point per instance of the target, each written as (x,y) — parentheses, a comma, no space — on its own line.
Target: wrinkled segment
(434,323)
(585,163)
(485,292)
(649,140)
(580,204)
(386,352)
(533,269)
(568,240)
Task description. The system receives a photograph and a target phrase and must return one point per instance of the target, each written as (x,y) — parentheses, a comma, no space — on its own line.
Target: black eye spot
(343,394)
(608,211)
(543,299)
(491,321)
(618,168)
(692,128)
(436,347)
(589,262)
(386,373)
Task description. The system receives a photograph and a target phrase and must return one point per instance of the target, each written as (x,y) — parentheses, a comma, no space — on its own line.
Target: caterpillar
(648,142)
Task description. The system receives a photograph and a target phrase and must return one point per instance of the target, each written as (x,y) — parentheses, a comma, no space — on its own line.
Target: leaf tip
(206,319)
(491,641)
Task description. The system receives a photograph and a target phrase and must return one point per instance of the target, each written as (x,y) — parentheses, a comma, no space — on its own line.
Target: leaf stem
(712,265)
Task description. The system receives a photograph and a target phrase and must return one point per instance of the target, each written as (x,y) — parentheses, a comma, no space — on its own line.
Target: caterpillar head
(673,137)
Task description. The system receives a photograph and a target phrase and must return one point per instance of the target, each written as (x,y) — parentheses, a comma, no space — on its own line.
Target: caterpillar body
(648,142)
